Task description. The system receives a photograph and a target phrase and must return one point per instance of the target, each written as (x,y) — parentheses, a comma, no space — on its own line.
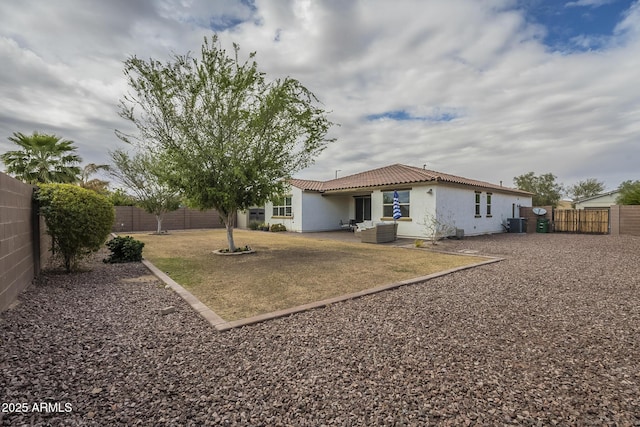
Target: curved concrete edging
(194,302)
(222,325)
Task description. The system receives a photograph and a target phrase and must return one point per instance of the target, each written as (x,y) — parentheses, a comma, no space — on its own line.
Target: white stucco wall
(452,205)
(323,213)
(421,203)
(459,205)
(293,223)
(455,206)
(313,212)
(242,219)
(605,201)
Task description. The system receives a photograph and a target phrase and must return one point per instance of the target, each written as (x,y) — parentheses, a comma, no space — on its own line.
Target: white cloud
(588,3)
(515,107)
(629,28)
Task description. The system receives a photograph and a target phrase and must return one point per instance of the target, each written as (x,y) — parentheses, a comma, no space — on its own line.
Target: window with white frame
(387,203)
(477,204)
(282,206)
(489,204)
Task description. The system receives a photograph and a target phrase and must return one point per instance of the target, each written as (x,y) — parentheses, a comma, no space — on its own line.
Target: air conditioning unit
(517,225)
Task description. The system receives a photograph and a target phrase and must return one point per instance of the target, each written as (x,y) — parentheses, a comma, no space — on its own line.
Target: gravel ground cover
(549,336)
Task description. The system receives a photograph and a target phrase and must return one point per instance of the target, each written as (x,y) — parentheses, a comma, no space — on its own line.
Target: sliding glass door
(363,208)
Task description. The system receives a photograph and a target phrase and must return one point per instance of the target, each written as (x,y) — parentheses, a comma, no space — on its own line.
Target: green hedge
(77,219)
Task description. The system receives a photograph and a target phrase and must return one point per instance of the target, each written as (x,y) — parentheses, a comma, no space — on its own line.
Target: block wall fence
(24,243)
(131,218)
(527,212)
(623,219)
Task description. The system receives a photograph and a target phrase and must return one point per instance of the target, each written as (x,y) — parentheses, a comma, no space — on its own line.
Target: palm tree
(42,158)
(95,184)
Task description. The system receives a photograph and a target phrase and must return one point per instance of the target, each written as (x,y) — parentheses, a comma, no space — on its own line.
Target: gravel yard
(550,335)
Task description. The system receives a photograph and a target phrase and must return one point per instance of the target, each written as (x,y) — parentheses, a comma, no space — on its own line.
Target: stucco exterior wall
(376,206)
(323,213)
(242,219)
(422,206)
(455,206)
(313,212)
(452,205)
(292,223)
(604,201)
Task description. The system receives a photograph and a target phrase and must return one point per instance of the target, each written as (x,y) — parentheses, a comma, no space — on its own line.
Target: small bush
(78,220)
(124,249)
(278,227)
(254,225)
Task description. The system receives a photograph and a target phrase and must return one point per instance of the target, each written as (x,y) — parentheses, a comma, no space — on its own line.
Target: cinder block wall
(21,244)
(629,219)
(131,218)
(527,212)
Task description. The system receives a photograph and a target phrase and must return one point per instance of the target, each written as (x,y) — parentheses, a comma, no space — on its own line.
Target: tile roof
(306,184)
(597,196)
(393,175)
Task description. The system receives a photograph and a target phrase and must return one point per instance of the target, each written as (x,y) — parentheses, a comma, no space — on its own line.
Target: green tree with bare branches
(140,173)
(229,137)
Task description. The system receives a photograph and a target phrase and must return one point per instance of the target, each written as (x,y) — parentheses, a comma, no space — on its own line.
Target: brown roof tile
(392,175)
(306,184)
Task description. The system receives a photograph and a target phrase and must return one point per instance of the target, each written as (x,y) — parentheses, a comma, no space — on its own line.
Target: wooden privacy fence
(594,221)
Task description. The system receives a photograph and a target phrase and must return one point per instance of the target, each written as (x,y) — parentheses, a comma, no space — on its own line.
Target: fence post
(614,220)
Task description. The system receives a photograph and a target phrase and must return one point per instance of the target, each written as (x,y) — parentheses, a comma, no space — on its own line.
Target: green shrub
(254,225)
(124,249)
(78,220)
(278,227)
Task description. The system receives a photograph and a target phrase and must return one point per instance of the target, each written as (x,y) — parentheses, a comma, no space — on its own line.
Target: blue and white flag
(396,206)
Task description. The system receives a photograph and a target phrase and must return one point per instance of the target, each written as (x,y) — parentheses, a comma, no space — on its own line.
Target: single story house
(425,196)
(599,201)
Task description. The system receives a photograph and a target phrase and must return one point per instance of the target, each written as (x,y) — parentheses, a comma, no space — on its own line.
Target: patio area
(548,336)
(348,236)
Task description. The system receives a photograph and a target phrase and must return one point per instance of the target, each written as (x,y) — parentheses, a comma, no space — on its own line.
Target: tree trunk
(229,223)
(159,219)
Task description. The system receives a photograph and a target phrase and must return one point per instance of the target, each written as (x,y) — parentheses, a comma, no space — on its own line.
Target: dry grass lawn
(286,271)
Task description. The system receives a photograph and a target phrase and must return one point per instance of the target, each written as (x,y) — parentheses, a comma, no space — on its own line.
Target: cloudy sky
(485,89)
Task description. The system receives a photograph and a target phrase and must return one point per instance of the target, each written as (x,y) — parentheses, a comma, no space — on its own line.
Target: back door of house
(363,208)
